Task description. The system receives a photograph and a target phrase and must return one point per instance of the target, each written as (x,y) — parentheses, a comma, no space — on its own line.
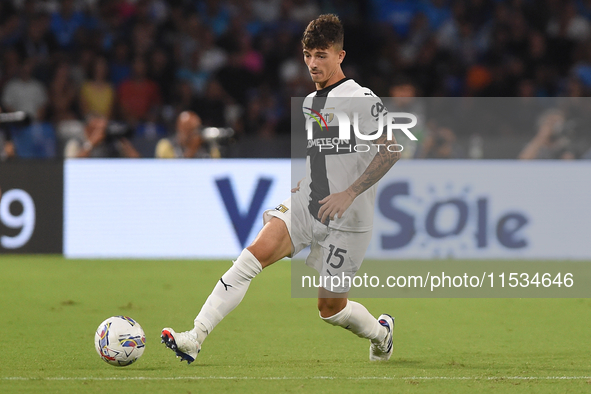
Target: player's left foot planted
(184,344)
(383,350)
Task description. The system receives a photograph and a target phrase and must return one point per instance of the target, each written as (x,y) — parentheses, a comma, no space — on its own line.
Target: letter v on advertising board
(243,222)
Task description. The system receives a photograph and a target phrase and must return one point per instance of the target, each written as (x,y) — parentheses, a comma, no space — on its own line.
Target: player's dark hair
(324,31)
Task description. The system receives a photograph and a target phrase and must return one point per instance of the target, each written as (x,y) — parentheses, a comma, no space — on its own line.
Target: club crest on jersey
(329,116)
(281,208)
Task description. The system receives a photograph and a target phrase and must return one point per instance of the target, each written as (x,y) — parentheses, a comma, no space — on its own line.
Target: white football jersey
(333,164)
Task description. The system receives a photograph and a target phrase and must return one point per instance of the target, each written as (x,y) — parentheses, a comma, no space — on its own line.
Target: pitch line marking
(131,378)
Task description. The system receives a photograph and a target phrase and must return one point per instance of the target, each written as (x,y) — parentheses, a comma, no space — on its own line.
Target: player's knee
(266,250)
(331,306)
(338,315)
(272,244)
(262,252)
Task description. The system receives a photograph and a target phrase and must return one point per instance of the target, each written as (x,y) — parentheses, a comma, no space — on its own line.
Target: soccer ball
(120,341)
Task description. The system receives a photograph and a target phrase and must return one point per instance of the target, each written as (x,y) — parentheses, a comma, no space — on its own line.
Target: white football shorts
(332,252)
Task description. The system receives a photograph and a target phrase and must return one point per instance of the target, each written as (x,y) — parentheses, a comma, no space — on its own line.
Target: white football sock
(357,319)
(227,294)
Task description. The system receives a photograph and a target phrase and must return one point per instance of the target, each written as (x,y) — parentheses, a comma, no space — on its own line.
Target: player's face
(323,63)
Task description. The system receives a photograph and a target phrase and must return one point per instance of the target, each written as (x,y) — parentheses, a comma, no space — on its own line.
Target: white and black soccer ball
(120,341)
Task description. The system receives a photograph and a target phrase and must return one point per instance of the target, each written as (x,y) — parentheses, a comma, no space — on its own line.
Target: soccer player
(331,209)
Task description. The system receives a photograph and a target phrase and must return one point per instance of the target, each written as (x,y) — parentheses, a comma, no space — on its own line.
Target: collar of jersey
(324,92)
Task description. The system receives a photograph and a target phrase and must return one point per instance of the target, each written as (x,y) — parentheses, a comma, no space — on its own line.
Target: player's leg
(333,304)
(337,310)
(271,244)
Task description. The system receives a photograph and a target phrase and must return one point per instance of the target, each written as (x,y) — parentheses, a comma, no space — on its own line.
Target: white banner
(168,208)
(424,209)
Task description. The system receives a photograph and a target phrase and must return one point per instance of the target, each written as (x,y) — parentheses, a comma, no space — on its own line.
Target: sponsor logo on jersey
(317,116)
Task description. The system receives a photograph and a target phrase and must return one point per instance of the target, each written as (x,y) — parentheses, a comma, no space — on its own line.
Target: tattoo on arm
(379,166)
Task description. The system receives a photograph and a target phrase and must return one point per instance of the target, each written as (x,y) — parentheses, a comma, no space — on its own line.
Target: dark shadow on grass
(402,361)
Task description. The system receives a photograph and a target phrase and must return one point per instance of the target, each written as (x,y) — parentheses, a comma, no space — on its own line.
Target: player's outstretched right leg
(272,244)
(226,295)
(184,344)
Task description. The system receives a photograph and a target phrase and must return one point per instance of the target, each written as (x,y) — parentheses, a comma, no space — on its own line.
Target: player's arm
(336,204)
(378,167)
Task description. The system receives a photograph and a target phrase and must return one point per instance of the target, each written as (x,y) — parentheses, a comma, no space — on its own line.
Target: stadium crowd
(110,78)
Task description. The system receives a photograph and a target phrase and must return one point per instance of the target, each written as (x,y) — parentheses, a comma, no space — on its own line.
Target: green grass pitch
(273,343)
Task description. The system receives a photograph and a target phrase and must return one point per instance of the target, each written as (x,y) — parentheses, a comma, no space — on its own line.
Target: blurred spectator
(235,79)
(100,140)
(266,10)
(419,33)
(194,74)
(38,43)
(536,54)
(404,99)
(398,13)
(172,22)
(11,63)
(7,12)
(7,150)
(189,39)
(550,141)
(97,96)
(568,24)
(119,67)
(293,69)
(65,23)
(36,140)
(215,15)
(25,93)
(68,128)
(139,96)
(143,38)
(478,79)
(11,27)
(252,60)
(302,11)
(255,120)
(162,72)
(440,144)
(212,56)
(83,67)
(436,11)
(251,23)
(62,93)
(184,99)
(187,140)
(212,105)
